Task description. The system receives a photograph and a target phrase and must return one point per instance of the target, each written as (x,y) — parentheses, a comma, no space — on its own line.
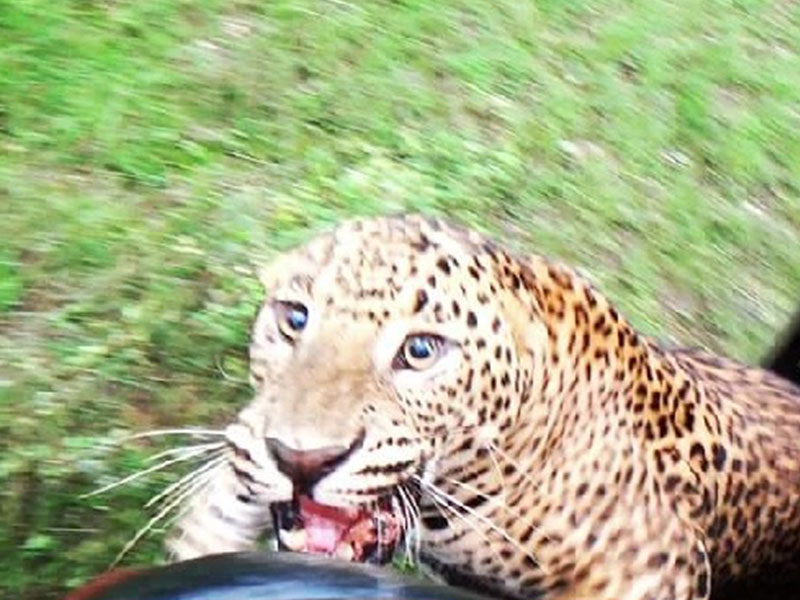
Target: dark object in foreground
(785,357)
(264,576)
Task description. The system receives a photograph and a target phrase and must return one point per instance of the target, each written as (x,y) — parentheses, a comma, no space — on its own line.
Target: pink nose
(306,467)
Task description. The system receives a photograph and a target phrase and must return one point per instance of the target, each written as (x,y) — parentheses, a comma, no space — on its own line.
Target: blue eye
(419,351)
(292,318)
(297,319)
(420,347)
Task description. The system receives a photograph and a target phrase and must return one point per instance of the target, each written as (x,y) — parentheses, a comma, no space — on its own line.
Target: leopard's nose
(306,467)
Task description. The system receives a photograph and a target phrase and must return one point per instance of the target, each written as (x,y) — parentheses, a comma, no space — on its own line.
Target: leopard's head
(388,356)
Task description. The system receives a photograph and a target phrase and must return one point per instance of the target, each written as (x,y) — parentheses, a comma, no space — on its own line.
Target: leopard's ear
(299,267)
(277,271)
(522,310)
(527,327)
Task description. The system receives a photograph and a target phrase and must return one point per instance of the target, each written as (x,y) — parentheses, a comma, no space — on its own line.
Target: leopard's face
(385,356)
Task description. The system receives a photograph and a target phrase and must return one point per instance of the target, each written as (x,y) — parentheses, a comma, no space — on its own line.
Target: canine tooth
(294,540)
(345,551)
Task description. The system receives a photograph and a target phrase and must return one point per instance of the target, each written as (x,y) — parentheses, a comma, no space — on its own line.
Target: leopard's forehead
(378,258)
(400,241)
(379,276)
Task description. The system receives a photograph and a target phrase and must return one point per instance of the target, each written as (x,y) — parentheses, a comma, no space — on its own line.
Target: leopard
(540,444)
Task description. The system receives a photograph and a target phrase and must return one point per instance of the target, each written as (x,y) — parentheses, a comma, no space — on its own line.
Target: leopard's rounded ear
(297,267)
(523,309)
(270,273)
(527,328)
(281,268)
(536,336)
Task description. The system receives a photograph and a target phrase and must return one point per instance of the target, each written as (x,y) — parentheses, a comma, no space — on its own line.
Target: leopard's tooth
(345,551)
(294,540)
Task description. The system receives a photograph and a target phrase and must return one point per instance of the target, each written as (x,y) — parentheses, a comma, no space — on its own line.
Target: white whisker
(493,447)
(496,502)
(416,516)
(499,471)
(185,431)
(203,482)
(142,473)
(213,461)
(158,517)
(442,502)
(183,449)
(407,524)
(455,502)
(500,503)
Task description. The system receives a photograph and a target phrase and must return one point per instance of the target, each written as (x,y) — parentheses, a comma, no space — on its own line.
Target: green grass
(151,152)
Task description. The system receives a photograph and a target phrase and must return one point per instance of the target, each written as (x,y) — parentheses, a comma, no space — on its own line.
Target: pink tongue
(325,525)
(322,536)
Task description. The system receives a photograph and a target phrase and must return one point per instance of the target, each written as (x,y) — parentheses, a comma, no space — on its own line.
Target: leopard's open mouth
(352,534)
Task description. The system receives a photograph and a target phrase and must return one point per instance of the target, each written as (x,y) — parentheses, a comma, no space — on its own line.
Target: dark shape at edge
(265,576)
(784,359)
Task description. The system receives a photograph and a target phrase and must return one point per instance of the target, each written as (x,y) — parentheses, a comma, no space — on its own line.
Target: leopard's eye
(292,318)
(418,352)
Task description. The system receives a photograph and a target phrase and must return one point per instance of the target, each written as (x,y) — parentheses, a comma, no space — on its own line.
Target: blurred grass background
(152,151)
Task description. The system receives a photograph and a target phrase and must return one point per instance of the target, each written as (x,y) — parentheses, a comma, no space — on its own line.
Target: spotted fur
(558,453)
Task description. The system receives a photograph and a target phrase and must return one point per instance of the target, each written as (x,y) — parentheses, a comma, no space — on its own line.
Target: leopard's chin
(364,535)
